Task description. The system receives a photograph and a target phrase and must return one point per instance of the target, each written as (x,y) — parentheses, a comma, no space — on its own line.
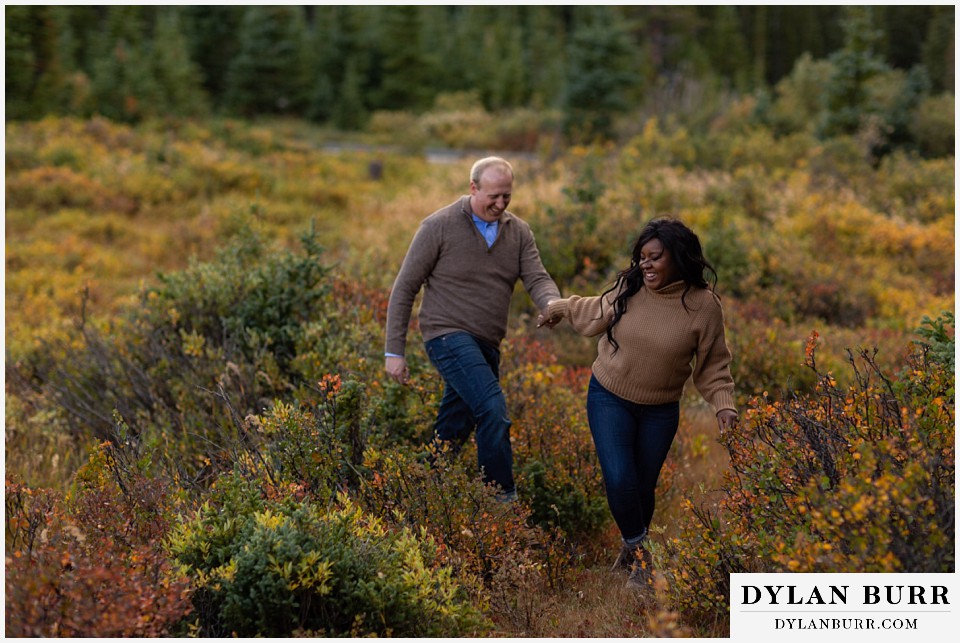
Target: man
(468,256)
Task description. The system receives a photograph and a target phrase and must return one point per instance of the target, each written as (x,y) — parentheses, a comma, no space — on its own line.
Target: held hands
(549,322)
(397,369)
(727,419)
(545,319)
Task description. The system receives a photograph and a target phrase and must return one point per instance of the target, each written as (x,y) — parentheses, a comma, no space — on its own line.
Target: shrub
(579,238)
(286,567)
(491,547)
(50,188)
(557,470)
(316,447)
(92,564)
(658,145)
(843,480)
(917,190)
(397,128)
(938,337)
(462,123)
(525,130)
(799,96)
(211,343)
(477,534)
(933,125)
(764,353)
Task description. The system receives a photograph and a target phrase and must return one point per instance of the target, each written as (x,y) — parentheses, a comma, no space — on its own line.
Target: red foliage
(97,571)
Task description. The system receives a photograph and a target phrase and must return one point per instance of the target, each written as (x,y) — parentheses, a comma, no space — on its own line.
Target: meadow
(201,440)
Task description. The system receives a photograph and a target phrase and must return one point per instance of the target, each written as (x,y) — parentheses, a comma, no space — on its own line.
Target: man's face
(491,196)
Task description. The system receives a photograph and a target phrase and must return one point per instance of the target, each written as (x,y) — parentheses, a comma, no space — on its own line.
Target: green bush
(292,568)
(932,125)
(211,344)
(799,96)
(938,336)
(317,448)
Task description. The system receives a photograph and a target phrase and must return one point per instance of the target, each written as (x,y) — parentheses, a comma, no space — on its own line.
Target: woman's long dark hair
(687,254)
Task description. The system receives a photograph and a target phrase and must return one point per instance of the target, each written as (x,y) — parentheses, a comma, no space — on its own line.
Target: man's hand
(397,369)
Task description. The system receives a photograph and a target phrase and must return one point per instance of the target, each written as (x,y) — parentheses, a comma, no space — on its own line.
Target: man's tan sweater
(661,344)
(466,285)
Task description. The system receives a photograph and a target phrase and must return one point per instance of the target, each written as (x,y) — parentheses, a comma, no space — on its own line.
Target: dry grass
(595,604)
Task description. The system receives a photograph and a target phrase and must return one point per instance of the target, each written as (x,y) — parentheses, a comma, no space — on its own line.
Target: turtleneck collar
(672,290)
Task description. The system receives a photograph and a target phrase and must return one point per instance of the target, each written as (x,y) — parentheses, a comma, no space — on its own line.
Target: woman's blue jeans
(632,442)
(472,397)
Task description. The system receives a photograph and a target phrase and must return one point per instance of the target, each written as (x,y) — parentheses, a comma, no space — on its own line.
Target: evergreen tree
(506,85)
(726,45)
(845,94)
(441,50)
(178,77)
(212,32)
(792,30)
(80,32)
(124,85)
(349,112)
(475,67)
(939,48)
(902,32)
(269,73)
(407,70)
(759,40)
(600,76)
(344,43)
(668,36)
(545,54)
(20,61)
(36,81)
(324,31)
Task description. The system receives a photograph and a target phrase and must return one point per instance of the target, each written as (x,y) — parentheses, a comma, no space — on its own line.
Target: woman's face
(657,265)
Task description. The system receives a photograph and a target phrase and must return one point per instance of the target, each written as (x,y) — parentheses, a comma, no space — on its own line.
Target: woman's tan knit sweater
(661,344)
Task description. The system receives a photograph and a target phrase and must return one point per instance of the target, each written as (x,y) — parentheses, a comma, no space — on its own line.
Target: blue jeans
(632,442)
(472,398)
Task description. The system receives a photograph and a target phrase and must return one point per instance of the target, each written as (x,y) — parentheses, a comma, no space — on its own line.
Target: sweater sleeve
(536,279)
(589,316)
(417,265)
(711,373)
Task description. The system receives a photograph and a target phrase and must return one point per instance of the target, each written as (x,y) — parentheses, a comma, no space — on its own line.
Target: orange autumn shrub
(92,564)
(555,461)
(48,189)
(845,479)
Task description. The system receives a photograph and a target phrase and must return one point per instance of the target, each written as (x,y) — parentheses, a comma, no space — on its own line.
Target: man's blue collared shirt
(487,229)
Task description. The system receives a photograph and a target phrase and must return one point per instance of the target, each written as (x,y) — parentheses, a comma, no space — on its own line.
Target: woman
(661,323)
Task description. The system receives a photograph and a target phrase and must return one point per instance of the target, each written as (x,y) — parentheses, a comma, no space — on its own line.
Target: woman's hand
(727,419)
(548,322)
